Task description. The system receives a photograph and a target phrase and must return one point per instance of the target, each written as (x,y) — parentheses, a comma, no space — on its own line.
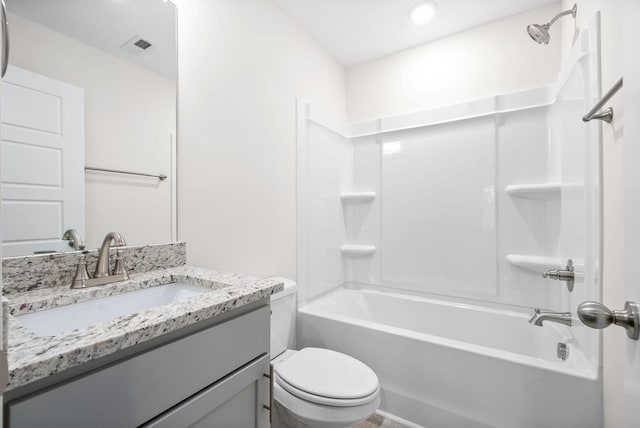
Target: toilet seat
(328,378)
(326,401)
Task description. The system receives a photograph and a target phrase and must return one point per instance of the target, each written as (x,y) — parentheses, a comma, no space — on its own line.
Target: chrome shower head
(540,33)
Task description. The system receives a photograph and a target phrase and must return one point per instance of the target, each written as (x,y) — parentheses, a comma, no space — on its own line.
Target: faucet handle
(119,268)
(596,315)
(82,276)
(567,275)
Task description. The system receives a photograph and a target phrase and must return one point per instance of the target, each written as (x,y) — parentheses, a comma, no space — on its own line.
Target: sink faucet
(102,268)
(75,241)
(559,317)
(102,275)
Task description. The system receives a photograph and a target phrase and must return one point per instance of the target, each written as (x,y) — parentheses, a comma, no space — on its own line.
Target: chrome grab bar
(606,114)
(5,40)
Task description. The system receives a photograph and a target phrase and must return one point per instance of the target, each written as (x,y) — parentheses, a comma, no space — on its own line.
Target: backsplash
(27,273)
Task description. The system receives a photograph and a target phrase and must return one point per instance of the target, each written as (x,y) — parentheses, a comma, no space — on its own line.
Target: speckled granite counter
(32,358)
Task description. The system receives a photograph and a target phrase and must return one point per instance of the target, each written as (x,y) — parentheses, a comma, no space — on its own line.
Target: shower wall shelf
(352,250)
(535,191)
(357,197)
(545,191)
(541,263)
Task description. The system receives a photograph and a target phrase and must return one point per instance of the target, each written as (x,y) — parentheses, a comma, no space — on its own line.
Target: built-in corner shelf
(357,197)
(541,263)
(535,191)
(353,250)
(536,263)
(545,191)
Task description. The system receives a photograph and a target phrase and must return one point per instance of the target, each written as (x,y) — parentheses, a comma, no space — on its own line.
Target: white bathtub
(444,364)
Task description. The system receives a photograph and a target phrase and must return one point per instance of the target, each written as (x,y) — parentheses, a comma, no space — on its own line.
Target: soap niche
(355,209)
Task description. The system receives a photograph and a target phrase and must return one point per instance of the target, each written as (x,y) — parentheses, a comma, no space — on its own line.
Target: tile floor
(377,421)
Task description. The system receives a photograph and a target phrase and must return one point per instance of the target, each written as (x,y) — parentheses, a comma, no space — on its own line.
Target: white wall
(613,192)
(129,121)
(242,65)
(325,171)
(492,59)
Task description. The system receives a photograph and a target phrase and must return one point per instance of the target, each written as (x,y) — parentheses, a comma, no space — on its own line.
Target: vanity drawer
(133,391)
(236,401)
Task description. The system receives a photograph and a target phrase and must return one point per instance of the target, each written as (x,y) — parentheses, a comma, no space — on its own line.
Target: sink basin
(53,321)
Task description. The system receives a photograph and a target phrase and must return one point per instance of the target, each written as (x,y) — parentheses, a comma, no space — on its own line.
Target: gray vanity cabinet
(229,403)
(211,378)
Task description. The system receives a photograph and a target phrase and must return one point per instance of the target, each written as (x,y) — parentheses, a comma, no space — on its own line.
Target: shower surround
(411,223)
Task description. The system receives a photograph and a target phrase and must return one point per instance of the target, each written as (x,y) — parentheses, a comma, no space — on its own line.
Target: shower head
(540,33)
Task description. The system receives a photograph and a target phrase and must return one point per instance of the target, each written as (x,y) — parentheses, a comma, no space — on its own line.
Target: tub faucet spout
(559,317)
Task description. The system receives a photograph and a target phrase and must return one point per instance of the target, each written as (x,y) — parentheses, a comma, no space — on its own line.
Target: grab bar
(160,177)
(606,114)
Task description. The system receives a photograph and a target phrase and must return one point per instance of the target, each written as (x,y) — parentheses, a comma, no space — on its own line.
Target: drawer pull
(270,406)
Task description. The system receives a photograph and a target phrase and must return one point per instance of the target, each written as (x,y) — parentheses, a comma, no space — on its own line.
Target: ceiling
(356,31)
(353,31)
(109,24)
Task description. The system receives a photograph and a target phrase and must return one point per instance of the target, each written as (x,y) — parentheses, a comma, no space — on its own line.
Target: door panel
(42,162)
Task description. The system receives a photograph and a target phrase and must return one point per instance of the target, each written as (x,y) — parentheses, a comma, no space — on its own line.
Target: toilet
(315,387)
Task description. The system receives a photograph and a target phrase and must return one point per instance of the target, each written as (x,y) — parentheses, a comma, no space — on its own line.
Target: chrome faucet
(559,317)
(75,241)
(102,276)
(102,268)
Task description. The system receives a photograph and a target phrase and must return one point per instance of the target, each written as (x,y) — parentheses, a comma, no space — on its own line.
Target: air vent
(142,44)
(137,46)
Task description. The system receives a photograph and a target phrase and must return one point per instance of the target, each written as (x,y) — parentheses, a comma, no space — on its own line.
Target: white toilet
(315,387)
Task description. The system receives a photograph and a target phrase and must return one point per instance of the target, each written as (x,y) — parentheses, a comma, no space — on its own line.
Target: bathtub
(448,364)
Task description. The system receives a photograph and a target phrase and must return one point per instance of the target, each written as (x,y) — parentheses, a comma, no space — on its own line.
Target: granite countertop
(33,358)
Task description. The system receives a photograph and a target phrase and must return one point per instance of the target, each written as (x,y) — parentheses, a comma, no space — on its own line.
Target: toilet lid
(326,373)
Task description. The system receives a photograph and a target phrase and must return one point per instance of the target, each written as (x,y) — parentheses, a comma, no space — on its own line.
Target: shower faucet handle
(596,315)
(566,275)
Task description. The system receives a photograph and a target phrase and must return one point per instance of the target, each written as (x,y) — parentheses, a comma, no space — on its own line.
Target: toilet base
(282,418)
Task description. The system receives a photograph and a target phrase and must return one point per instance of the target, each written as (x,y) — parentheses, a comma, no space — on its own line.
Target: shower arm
(571,11)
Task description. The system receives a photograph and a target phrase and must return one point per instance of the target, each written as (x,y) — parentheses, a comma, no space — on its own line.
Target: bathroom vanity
(175,364)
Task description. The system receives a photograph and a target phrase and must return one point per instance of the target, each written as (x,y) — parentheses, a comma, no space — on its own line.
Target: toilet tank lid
(290,287)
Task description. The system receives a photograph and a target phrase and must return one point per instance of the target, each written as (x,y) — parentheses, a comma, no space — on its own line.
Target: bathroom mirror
(91,86)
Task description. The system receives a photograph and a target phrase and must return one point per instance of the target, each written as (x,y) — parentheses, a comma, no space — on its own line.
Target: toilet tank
(283,317)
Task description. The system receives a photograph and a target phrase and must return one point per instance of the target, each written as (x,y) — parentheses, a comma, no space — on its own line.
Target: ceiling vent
(136,46)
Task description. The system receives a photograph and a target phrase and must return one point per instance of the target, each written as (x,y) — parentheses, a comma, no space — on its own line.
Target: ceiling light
(422,12)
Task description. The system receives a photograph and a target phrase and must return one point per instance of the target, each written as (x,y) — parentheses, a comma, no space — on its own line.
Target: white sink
(78,315)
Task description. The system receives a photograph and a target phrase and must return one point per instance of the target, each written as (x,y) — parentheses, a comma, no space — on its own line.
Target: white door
(42,162)
(632,203)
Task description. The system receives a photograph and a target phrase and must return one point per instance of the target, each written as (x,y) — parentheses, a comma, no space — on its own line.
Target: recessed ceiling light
(422,12)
